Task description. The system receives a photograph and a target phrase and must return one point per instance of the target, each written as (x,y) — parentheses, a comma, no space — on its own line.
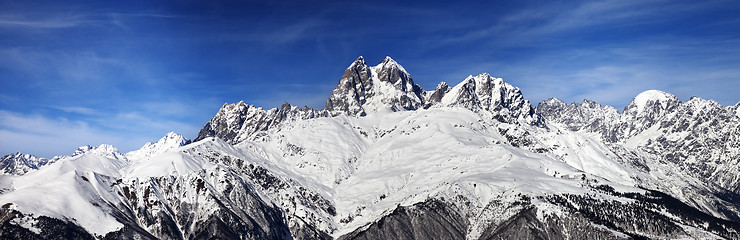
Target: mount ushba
(386,159)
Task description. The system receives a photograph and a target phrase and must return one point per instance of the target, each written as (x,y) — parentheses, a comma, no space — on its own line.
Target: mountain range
(386,159)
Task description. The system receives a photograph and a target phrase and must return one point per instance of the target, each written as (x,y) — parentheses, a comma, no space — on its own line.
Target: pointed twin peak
(384,87)
(389,87)
(363,89)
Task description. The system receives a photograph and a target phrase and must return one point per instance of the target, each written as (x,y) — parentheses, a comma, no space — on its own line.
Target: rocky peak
(104,150)
(435,97)
(700,104)
(550,107)
(364,89)
(651,102)
(238,121)
(588,115)
(227,121)
(352,91)
(169,141)
(82,150)
(486,93)
(19,163)
(390,71)
(592,109)
(645,110)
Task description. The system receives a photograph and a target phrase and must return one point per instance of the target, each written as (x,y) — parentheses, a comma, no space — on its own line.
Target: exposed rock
(19,164)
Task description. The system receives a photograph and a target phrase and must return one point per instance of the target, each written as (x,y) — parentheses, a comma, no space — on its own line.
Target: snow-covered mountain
(19,164)
(388,160)
(699,137)
(151,150)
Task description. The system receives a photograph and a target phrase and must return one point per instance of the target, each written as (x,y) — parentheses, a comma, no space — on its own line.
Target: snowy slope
(693,145)
(66,189)
(386,159)
(151,150)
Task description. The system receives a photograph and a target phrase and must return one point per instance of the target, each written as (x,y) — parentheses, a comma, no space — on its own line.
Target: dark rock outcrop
(432,219)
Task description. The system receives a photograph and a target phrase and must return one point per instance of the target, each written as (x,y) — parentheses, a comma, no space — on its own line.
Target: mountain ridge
(475,160)
(386,87)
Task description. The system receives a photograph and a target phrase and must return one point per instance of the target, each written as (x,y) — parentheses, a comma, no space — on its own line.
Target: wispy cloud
(532,24)
(137,123)
(78,110)
(55,22)
(611,73)
(28,133)
(277,36)
(48,136)
(82,69)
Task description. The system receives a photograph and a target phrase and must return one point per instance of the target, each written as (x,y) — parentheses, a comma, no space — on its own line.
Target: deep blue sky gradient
(125,72)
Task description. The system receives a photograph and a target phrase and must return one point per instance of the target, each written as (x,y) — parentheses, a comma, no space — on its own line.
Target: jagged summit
(554,100)
(487,93)
(577,116)
(652,99)
(19,163)
(384,87)
(105,150)
(238,121)
(389,63)
(698,134)
(169,141)
(389,87)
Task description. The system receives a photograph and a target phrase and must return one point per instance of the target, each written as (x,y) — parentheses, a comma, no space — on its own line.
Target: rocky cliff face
(701,137)
(386,87)
(238,121)
(19,164)
(486,93)
(587,115)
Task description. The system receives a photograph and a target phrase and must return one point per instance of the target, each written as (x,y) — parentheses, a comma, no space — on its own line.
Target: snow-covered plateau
(386,159)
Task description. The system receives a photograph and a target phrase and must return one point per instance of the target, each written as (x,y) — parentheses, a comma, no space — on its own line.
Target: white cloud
(56,22)
(47,137)
(78,110)
(529,25)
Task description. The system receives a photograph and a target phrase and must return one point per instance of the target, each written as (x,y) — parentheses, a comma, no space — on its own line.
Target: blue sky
(78,73)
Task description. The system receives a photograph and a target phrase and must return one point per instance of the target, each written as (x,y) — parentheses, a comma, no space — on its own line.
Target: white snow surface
(387,92)
(368,166)
(66,189)
(150,150)
(642,99)
(406,157)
